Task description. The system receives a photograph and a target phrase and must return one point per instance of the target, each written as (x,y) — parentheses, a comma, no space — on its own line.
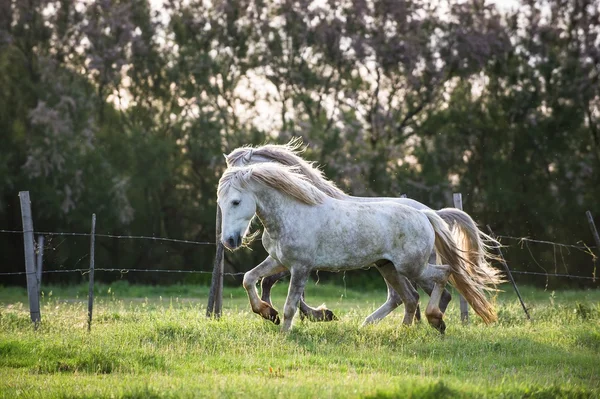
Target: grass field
(151,342)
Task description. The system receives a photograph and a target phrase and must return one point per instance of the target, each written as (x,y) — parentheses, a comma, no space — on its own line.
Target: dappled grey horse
(473,243)
(306,230)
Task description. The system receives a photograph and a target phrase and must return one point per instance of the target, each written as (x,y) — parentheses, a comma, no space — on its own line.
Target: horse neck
(274,209)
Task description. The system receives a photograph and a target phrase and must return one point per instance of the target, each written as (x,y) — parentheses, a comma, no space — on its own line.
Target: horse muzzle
(233,241)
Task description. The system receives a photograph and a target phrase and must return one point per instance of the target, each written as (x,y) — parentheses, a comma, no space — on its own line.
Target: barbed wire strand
(124,271)
(522,241)
(583,247)
(536,262)
(50,233)
(555,275)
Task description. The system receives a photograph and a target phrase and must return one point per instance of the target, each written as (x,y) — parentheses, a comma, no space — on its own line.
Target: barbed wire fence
(34,260)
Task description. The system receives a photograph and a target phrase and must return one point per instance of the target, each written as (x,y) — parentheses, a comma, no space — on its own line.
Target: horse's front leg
(313,314)
(295,290)
(268,267)
(268,282)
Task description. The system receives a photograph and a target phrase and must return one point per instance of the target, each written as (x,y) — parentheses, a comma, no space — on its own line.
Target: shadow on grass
(60,358)
(439,389)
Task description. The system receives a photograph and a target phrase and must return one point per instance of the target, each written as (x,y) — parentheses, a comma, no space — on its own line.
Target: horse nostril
(231,242)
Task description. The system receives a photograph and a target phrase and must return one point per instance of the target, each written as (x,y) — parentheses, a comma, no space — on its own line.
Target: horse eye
(235,202)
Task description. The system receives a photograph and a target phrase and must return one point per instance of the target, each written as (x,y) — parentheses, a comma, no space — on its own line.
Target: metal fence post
(509,274)
(28,245)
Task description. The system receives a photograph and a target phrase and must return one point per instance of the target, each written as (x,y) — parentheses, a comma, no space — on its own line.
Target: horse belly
(348,245)
(359,256)
(406,237)
(329,245)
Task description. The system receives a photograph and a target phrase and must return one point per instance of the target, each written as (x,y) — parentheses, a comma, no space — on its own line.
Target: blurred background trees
(124,109)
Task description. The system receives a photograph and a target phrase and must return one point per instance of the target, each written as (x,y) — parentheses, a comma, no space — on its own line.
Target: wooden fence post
(215,297)
(92,266)
(39,264)
(464,306)
(509,274)
(28,240)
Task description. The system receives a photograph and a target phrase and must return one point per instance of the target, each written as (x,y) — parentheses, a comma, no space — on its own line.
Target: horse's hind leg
(446,297)
(398,286)
(418,311)
(313,314)
(439,275)
(392,302)
(397,298)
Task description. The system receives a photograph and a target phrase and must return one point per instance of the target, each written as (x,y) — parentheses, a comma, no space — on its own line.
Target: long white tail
(471,285)
(475,244)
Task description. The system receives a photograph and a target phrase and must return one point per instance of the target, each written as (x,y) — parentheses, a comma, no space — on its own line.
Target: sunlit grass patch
(147,345)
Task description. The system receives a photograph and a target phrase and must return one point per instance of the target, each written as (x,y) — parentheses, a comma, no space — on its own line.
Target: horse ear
(246,175)
(247,158)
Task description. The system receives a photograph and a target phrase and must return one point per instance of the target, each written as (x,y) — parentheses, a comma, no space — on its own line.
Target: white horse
(474,243)
(306,230)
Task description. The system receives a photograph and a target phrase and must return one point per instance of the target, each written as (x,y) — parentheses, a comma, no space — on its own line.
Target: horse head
(238,207)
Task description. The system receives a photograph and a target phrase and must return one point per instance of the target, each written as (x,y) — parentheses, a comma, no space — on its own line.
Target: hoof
(321,314)
(327,315)
(273,316)
(418,313)
(439,325)
(442,327)
(270,314)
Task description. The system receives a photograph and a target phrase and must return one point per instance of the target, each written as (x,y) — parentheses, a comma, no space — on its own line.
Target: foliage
(124,109)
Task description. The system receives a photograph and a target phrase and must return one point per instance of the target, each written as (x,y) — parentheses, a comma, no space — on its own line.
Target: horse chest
(284,247)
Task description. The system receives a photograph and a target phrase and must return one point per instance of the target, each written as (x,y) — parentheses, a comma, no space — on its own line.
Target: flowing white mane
(279,177)
(286,154)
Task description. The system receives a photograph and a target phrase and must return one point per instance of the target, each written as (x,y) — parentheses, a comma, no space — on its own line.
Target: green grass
(150,342)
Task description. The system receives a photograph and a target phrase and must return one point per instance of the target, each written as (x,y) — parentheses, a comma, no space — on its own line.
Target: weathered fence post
(509,274)
(92,265)
(39,264)
(215,297)
(464,306)
(594,231)
(32,285)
